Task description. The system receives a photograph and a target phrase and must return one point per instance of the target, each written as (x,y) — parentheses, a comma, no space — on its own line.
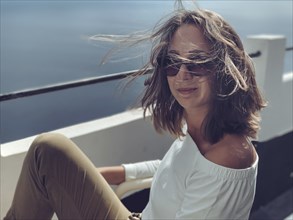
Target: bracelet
(135,216)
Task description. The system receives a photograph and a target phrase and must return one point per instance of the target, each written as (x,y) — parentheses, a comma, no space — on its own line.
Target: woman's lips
(186,91)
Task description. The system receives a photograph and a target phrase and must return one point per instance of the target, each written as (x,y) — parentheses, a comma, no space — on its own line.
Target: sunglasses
(172,66)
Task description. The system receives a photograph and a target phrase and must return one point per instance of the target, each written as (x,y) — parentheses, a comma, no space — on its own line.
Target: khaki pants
(57,177)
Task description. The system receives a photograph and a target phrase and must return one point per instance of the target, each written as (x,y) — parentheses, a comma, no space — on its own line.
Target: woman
(203,91)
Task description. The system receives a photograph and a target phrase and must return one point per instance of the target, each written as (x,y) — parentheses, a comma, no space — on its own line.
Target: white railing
(276,86)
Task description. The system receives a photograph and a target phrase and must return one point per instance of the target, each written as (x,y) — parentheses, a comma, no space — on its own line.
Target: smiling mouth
(186,91)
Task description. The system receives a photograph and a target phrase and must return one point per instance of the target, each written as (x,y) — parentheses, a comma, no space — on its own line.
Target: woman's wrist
(114,175)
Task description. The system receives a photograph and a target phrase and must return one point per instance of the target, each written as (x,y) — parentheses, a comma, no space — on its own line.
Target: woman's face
(192,89)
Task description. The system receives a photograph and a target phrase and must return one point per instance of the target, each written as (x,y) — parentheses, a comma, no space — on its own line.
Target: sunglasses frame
(201,68)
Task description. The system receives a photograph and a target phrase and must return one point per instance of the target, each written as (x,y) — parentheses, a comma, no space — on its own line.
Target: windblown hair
(236,98)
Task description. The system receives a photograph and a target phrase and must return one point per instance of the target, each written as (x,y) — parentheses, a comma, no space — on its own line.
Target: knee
(49,144)
(48,139)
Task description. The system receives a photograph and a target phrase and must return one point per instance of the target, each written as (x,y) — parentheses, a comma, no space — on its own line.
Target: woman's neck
(195,120)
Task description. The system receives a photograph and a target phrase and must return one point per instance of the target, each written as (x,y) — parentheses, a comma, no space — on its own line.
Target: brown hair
(237,99)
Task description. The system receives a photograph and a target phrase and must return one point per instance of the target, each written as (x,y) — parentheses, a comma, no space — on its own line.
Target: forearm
(114,175)
(141,170)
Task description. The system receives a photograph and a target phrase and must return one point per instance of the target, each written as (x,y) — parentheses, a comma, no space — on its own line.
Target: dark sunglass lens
(171,70)
(170,66)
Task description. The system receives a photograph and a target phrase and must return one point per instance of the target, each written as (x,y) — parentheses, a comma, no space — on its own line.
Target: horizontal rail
(78,83)
(255,54)
(66,85)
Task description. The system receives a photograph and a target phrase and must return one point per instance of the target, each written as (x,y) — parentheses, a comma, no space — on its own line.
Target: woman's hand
(114,175)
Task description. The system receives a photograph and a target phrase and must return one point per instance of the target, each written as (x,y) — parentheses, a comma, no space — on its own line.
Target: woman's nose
(183,74)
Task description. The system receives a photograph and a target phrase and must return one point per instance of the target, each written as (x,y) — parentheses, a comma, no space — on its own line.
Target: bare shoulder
(232,151)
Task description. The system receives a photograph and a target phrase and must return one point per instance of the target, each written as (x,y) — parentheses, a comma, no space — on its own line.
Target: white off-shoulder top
(188,186)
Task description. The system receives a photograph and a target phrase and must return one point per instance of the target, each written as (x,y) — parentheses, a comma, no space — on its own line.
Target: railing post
(269,66)
(269,75)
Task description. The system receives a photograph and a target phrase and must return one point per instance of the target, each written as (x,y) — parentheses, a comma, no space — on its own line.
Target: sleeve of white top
(141,170)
